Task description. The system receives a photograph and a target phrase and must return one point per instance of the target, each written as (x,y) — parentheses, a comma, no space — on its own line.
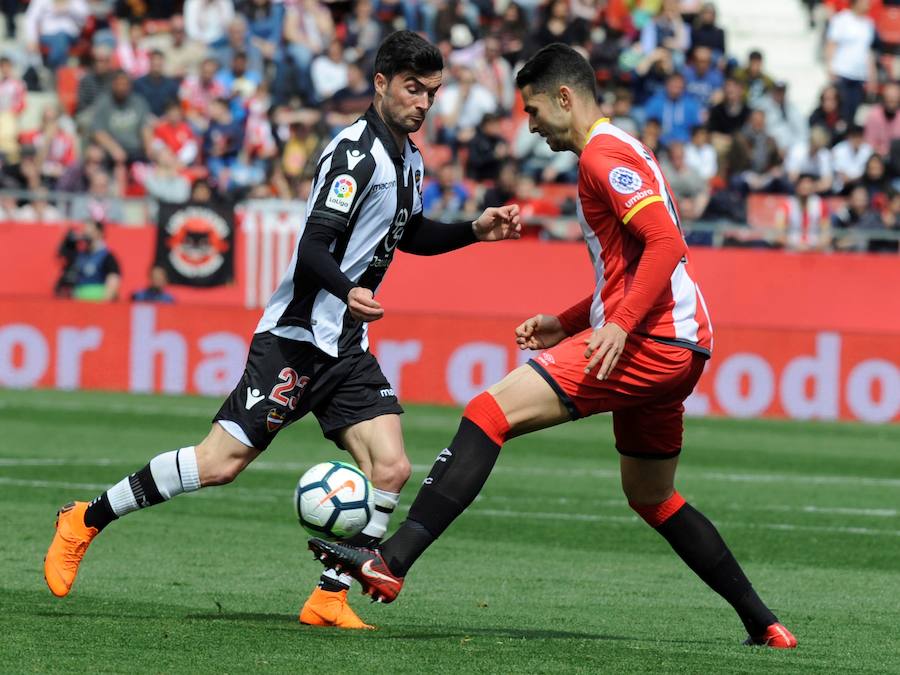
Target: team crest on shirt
(340,196)
(274,420)
(625,180)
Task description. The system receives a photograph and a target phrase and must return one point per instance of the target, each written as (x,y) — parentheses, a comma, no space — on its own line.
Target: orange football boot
(330,608)
(776,636)
(68,547)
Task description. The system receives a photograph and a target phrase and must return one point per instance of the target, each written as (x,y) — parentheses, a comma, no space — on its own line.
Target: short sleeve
(621,177)
(342,182)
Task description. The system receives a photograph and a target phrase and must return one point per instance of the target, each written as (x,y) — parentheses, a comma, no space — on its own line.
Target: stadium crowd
(152,99)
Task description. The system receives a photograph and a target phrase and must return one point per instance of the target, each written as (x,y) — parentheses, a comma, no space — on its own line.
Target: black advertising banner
(195,243)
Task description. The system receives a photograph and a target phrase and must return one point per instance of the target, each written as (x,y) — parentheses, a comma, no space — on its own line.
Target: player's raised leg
(523,401)
(650,489)
(216,460)
(377,447)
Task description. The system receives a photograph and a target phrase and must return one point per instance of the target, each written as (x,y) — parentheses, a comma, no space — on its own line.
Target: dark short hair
(556,65)
(755,55)
(407,51)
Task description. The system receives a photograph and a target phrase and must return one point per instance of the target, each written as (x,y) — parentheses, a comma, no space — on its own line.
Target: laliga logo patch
(274,420)
(625,180)
(340,196)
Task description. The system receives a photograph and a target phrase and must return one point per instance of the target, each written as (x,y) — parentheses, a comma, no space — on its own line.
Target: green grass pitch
(549,571)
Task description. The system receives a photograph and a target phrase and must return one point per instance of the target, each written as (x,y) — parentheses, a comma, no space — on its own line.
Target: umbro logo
(354,157)
(253,397)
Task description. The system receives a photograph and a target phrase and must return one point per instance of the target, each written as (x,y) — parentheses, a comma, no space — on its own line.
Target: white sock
(385,503)
(166,476)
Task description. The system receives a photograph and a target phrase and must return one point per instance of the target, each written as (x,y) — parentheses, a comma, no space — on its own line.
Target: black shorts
(285,379)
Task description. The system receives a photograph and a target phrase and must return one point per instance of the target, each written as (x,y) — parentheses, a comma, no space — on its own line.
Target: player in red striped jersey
(635,347)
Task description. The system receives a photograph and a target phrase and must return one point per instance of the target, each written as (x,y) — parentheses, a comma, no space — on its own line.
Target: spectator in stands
(729,116)
(702,77)
(173,134)
(241,83)
(857,214)
(38,210)
(197,92)
(504,188)
(849,55)
(238,41)
(130,54)
(97,79)
(156,291)
(883,121)
(351,102)
(828,114)
(183,54)
(651,75)
(55,147)
(456,22)
(849,158)
(705,32)
(120,122)
(650,136)
(755,81)
(76,178)
(690,188)
(156,88)
(364,32)
(53,26)
(206,21)
(558,26)
(264,21)
(10,8)
(12,88)
(876,181)
(676,110)
(488,150)
(700,155)
(495,73)
(222,141)
(102,201)
(803,220)
(754,162)
(784,121)
(512,33)
(97,274)
(461,105)
(329,71)
(538,161)
(308,30)
(667,30)
(447,198)
(621,113)
(811,158)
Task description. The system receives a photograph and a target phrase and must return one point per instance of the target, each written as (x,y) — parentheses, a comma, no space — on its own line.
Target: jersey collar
(383,134)
(593,128)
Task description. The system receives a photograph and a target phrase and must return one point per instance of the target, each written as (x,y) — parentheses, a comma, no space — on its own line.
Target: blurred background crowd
(102,100)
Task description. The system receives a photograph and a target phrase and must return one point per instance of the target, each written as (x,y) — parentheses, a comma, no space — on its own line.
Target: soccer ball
(334,500)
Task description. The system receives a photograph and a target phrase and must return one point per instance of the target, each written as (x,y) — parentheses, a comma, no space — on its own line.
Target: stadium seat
(761,209)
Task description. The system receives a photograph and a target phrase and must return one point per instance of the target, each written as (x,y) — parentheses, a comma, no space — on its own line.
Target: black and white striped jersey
(365,189)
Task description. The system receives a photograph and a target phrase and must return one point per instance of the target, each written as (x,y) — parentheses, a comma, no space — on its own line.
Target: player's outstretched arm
(498,223)
(541,331)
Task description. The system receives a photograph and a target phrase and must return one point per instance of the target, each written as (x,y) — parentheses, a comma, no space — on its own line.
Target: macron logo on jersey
(354,157)
(254,396)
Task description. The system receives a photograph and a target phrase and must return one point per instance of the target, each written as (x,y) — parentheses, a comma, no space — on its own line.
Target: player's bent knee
(656,513)
(221,458)
(391,476)
(487,415)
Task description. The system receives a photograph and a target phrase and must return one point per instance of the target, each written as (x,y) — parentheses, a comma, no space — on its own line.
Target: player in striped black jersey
(310,349)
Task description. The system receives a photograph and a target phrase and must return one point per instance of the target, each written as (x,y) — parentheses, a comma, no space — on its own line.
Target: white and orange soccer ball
(334,500)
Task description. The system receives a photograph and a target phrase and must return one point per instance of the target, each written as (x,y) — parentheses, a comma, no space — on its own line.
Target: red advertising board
(439,358)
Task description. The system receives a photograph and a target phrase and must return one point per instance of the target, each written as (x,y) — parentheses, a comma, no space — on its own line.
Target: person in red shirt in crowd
(197,93)
(173,133)
(883,120)
(636,346)
(803,220)
(12,88)
(54,146)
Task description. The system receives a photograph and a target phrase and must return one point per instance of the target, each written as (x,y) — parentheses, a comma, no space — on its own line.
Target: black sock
(697,541)
(456,478)
(99,513)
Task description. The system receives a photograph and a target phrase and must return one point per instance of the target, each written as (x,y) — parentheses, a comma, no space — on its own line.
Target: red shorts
(645,391)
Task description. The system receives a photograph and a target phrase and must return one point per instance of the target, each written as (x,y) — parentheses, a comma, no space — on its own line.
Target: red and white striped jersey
(617,178)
